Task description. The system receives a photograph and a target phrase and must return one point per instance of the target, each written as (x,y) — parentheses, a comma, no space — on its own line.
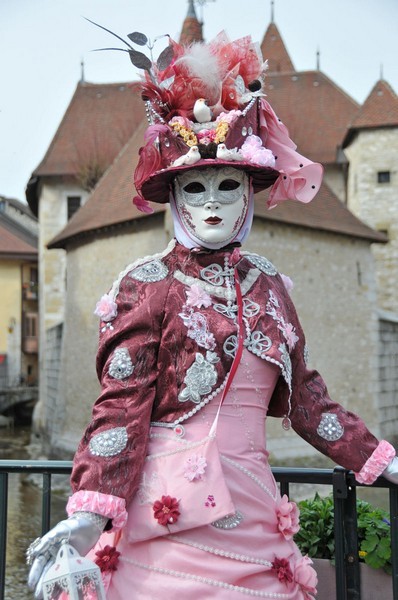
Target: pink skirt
(250,553)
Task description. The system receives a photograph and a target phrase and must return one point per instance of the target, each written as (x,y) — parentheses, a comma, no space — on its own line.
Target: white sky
(42,43)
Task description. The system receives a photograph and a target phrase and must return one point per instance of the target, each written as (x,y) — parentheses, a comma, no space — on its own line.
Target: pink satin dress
(252,553)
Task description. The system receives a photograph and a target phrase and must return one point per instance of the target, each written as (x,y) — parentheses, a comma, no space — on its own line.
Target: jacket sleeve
(111,454)
(336,432)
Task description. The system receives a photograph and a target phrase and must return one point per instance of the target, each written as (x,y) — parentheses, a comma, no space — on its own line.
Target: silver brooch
(329,428)
(121,365)
(263,264)
(229,522)
(109,442)
(150,272)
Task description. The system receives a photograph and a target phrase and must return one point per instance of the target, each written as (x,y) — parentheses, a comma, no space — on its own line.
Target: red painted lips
(213,220)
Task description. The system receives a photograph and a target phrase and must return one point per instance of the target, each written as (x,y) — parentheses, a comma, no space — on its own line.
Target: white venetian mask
(212,204)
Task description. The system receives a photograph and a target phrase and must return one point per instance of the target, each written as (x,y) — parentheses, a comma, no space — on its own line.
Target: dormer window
(74,203)
(383,177)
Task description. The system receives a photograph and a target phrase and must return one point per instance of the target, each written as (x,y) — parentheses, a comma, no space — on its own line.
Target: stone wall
(373,151)
(388,375)
(52,273)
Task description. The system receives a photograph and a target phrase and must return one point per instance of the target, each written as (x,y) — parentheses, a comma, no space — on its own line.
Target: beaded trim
(223,553)
(98,520)
(229,521)
(151,272)
(252,476)
(208,581)
(109,442)
(306,355)
(262,263)
(217,290)
(330,428)
(121,366)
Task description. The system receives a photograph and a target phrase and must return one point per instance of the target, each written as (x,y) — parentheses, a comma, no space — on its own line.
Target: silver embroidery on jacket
(109,442)
(329,428)
(229,522)
(306,354)
(215,274)
(200,378)
(263,264)
(152,271)
(230,345)
(226,311)
(250,308)
(198,329)
(258,343)
(287,364)
(121,365)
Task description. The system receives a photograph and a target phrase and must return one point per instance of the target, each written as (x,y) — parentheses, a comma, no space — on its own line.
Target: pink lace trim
(105,505)
(376,464)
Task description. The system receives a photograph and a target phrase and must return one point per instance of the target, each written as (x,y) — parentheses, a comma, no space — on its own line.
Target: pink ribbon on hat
(301,185)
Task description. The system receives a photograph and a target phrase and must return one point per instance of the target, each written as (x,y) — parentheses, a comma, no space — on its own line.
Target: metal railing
(342,483)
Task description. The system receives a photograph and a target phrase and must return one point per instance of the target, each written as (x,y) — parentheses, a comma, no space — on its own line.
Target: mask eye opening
(227,185)
(194,187)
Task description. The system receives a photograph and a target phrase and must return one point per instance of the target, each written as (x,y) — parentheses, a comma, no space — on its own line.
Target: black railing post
(3,531)
(394,538)
(46,503)
(353,578)
(340,491)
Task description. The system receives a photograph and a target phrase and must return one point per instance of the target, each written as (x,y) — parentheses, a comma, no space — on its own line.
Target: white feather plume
(202,63)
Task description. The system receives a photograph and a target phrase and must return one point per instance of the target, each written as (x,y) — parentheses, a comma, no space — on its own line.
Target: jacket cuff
(111,507)
(376,464)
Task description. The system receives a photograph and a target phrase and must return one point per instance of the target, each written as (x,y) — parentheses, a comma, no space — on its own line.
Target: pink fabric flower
(142,205)
(287,282)
(106,308)
(376,464)
(288,517)
(195,467)
(290,335)
(305,576)
(196,296)
(281,567)
(253,151)
(166,510)
(205,136)
(228,117)
(108,558)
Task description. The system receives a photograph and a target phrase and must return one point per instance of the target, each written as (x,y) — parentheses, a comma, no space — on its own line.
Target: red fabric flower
(166,510)
(281,567)
(107,558)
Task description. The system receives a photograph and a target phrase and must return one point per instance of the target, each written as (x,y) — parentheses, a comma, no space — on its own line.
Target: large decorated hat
(206,108)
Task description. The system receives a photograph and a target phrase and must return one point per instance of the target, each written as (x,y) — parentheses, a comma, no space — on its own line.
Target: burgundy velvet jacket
(167,340)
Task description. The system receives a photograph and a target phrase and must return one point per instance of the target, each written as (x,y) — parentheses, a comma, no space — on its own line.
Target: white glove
(82,530)
(391,471)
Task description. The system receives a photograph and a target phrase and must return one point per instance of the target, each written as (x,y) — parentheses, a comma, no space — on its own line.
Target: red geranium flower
(107,558)
(282,568)
(166,510)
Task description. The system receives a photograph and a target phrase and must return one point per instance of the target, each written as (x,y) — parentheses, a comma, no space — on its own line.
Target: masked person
(204,337)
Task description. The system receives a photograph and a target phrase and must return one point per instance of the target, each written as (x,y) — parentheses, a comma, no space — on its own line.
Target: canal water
(24,511)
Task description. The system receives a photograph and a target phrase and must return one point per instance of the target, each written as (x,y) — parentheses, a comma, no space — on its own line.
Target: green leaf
(370,543)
